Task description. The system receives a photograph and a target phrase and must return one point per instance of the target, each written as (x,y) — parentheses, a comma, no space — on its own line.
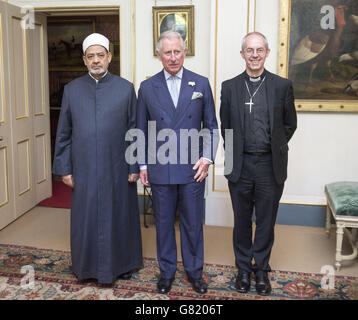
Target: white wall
(325,145)
(324,149)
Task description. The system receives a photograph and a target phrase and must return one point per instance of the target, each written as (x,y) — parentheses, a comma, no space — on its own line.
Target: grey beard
(98,71)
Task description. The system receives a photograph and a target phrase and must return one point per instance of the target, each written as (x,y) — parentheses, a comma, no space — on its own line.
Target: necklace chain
(248,90)
(251,96)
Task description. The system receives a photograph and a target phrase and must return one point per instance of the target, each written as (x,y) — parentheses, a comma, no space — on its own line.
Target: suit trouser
(256,189)
(189,199)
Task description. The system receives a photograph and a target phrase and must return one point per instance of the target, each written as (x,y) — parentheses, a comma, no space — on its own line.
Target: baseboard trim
(218,212)
(301,215)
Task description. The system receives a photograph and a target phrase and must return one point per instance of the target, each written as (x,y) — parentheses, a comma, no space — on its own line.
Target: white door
(21,114)
(28,110)
(7,202)
(39,104)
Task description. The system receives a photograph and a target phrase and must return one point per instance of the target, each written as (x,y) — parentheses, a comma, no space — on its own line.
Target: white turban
(95,39)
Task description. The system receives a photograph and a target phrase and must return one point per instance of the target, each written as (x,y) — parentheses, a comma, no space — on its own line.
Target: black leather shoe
(243,282)
(125,276)
(164,285)
(263,285)
(199,285)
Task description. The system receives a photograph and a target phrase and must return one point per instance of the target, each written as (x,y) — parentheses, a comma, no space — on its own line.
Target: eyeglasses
(259,51)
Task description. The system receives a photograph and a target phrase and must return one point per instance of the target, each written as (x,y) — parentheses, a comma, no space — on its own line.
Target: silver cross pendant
(250,104)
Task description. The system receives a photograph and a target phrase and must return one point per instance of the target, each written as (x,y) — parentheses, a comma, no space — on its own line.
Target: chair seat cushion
(343,197)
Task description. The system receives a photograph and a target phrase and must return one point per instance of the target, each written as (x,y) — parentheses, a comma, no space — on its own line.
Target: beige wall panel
(19,68)
(40,151)
(4,180)
(23,166)
(38,65)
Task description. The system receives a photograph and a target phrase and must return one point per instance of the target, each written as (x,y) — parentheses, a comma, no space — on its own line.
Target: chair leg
(355,236)
(328,221)
(340,233)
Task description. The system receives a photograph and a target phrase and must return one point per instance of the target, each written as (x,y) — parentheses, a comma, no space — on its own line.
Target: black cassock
(90,145)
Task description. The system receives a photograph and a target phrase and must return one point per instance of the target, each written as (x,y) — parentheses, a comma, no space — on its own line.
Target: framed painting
(65,39)
(318,51)
(180,19)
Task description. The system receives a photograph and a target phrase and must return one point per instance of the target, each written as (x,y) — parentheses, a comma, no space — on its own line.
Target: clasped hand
(202,166)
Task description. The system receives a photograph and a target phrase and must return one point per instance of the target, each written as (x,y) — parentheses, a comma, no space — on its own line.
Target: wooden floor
(300,249)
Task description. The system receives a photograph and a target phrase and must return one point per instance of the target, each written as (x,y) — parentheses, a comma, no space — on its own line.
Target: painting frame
(283,64)
(64,68)
(86,25)
(163,14)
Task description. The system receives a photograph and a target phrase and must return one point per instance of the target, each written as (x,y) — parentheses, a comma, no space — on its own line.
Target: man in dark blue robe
(97,110)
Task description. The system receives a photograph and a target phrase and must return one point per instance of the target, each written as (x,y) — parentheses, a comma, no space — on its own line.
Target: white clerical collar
(95,78)
(168,75)
(255,79)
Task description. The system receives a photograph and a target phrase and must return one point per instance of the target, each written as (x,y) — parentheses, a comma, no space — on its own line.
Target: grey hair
(167,35)
(257,34)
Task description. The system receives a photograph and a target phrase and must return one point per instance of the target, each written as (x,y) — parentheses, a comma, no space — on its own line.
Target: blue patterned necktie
(173,89)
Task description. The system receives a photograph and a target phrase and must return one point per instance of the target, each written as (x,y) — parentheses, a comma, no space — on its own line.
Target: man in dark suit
(258,107)
(173,104)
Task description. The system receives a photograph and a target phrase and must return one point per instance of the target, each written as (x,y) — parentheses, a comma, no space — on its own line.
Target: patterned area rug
(28,273)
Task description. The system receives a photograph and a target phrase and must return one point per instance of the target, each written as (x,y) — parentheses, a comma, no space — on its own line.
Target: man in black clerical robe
(258,107)
(97,110)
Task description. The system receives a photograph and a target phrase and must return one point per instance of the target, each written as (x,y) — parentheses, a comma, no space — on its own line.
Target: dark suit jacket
(283,121)
(155,104)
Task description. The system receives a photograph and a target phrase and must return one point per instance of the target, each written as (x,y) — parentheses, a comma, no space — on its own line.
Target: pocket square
(196,95)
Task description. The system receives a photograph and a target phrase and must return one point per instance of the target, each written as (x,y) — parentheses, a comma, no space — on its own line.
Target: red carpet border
(61,196)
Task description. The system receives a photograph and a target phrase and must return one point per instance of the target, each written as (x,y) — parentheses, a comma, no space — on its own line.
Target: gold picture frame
(326,89)
(178,18)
